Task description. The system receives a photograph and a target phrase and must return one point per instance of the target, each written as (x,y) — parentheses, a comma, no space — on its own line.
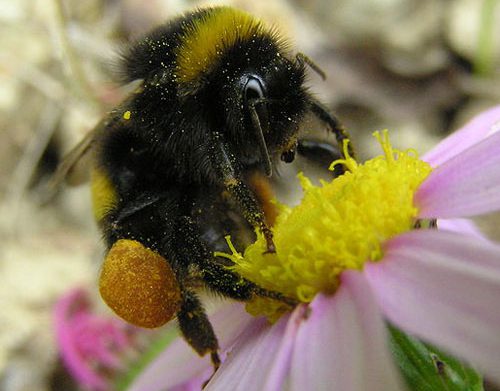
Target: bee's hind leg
(196,327)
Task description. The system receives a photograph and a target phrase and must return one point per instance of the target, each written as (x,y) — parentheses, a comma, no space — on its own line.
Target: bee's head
(258,98)
(238,72)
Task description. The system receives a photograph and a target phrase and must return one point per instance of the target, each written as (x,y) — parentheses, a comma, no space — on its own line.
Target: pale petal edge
(443,287)
(343,343)
(480,127)
(466,185)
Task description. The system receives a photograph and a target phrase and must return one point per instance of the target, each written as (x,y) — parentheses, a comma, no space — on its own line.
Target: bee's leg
(154,221)
(319,110)
(251,209)
(341,134)
(321,154)
(215,275)
(230,284)
(196,327)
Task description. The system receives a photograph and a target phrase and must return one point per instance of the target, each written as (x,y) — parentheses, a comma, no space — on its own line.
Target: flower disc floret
(339,225)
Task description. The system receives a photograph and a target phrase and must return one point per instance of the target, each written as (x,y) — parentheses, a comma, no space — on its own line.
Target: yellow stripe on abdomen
(104,194)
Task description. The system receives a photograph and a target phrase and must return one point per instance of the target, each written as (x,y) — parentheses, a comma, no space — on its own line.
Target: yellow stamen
(339,225)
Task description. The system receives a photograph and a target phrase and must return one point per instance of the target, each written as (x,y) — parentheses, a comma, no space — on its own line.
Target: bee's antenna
(303,59)
(259,133)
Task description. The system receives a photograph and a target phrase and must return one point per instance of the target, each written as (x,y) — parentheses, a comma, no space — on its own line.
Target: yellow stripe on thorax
(104,195)
(207,38)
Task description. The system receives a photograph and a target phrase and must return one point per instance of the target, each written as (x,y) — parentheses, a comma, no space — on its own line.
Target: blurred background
(420,68)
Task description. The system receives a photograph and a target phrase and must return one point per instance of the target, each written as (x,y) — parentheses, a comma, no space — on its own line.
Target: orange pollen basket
(139,285)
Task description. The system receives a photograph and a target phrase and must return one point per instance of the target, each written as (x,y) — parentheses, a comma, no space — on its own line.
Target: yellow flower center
(339,225)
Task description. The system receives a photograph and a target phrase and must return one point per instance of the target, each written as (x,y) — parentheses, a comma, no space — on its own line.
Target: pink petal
(195,384)
(261,358)
(343,343)
(474,131)
(179,363)
(67,340)
(466,185)
(464,226)
(444,287)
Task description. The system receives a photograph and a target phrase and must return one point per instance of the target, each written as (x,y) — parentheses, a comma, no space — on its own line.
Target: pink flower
(179,368)
(90,346)
(442,286)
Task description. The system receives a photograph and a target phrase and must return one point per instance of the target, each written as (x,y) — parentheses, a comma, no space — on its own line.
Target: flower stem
(483,64)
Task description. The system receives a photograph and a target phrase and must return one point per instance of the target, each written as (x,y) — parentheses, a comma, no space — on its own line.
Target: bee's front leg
(226,164)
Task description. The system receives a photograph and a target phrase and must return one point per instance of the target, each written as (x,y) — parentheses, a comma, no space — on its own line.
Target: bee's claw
(214,357)
(270,247)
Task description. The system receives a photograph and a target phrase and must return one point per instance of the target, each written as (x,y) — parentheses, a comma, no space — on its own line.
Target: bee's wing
(74,168)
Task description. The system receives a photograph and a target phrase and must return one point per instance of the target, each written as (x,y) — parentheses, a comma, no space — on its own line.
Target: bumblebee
(186,159)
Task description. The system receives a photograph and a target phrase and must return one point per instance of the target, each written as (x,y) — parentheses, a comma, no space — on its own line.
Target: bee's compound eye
(253,89)
(139,285)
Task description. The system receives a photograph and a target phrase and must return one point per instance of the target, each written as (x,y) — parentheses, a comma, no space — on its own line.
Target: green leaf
(425,368)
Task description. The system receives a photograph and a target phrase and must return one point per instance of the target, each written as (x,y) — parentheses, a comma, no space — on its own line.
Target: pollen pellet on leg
(139,285)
